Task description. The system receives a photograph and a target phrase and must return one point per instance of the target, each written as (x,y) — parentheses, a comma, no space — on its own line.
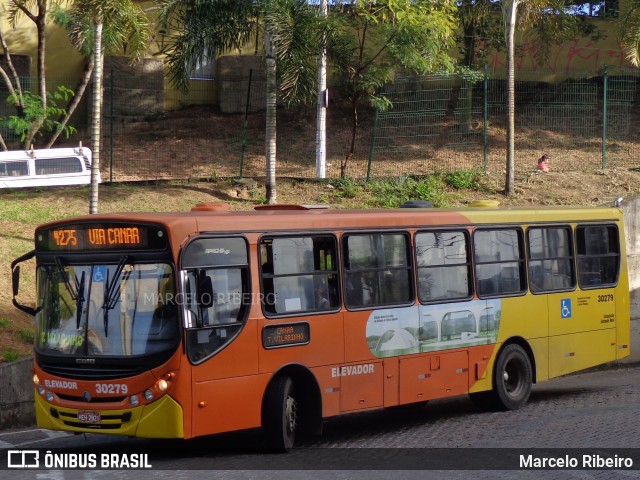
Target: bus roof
(292,218)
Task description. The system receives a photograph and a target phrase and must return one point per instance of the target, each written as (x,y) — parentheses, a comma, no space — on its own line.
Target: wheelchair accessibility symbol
(565,308)
(99,274)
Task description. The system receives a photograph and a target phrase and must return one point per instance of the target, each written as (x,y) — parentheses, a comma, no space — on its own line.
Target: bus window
(443,266)
(499,262)
(215,315)
(299,274)
(550,259)
(377,270)
(106,310)
(598,255)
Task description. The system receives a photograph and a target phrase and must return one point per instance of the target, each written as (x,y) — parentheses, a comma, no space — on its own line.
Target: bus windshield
(118,309)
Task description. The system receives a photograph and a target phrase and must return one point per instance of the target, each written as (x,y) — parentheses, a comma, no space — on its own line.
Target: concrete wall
(233,82)
(16,387)
(16,394)
(631,209)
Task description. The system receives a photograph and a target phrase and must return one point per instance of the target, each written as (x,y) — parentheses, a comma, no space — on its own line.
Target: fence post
(604,116)
(373,144)
(485,119)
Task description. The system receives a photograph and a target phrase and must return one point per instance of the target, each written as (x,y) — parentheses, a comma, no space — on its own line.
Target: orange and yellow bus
(177,325)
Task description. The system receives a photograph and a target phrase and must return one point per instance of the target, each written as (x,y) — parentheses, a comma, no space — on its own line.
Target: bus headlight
(134,400)
(41,390)
(148,394)
(49,396)
(162,385)
(35,379)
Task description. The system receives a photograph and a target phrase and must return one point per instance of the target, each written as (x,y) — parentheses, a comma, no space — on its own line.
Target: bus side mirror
(15,281)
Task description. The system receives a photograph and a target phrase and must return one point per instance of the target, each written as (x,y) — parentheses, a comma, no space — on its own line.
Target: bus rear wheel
(281,415)
(513,377)
(512,380)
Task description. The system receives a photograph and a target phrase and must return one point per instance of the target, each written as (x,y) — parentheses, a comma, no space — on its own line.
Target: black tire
(281,415)
(512,380)
(513,377)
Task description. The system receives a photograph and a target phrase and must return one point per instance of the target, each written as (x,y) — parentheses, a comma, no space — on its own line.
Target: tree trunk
(354,133)
(96,122)
(40,21)
(321,115)
(510,8)
(270,127)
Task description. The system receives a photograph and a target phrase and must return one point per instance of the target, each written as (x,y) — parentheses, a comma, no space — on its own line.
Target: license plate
(89,417)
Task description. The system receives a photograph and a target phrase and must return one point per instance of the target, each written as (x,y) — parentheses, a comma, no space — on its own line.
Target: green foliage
(4,322)
(629,28)
(394,192)
(204,30)
(27,336)
(125,26)
(10,355)
(36,116)
(296,30)
(346,188)
(465,178)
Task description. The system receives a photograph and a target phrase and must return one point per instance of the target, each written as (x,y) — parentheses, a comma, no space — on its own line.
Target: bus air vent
(211,207)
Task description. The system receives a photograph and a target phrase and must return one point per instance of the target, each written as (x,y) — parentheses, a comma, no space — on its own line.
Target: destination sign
(285,334)
(117,236)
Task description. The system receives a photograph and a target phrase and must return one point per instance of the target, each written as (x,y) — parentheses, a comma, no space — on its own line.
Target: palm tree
(116,23)
(509,14)
(204,30)
(630,31)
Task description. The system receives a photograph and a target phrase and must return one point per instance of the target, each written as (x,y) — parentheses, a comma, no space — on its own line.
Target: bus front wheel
(281,415)
(512,380)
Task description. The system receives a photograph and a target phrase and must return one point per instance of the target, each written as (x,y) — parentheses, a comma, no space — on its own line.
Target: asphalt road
(585,418)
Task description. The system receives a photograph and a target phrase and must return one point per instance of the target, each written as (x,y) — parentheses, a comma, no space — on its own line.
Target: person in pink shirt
(543,163)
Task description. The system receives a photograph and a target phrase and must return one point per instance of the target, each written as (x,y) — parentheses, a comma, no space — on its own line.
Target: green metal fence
(437,123)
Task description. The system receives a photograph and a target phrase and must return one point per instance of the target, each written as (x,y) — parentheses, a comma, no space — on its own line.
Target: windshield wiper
(76,290)
(112,293)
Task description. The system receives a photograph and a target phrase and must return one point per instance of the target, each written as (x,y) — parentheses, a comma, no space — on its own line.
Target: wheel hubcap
(512,377)
(292,414)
